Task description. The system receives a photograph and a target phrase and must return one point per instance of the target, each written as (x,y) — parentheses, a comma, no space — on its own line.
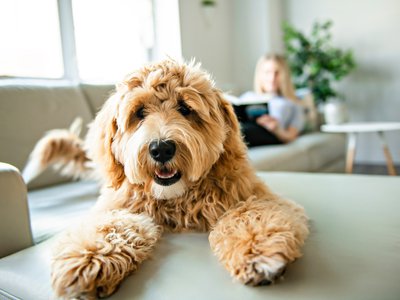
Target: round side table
(352,129)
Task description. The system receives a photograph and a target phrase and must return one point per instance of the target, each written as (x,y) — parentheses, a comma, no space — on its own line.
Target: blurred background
(99,41)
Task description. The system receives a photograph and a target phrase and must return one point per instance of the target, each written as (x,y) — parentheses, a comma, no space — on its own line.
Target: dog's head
(164,128)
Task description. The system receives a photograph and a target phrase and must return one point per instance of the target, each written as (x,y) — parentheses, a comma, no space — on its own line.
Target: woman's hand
(268,122)
(272,125)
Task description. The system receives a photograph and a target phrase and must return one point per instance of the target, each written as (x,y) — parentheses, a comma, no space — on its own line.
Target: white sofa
(352,252)
(28,111)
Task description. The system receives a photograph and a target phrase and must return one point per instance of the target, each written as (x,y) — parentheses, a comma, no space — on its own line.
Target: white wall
(372,29)
(256,25)
(231,38)
(208,37)
(239,31)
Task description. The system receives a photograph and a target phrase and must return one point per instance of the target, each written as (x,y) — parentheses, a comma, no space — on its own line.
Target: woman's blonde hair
(285,86)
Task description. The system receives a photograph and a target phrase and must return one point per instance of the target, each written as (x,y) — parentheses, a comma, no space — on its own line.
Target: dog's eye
(140,113)
(136,116)
(184,109)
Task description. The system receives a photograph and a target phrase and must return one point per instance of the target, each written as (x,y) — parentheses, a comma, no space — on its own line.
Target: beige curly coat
(207,185)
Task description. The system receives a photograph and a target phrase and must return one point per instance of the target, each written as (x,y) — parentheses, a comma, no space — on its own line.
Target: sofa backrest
(96,95)
(27,112)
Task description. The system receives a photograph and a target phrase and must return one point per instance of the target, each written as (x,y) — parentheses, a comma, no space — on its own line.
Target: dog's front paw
(82,277)
(92,260)
(260,270)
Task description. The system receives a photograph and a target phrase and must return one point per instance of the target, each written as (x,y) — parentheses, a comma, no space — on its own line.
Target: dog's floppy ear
(228,113)
(233,144)
(99,142)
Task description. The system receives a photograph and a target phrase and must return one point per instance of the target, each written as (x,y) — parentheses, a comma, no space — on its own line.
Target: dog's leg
(258,238)
(91,261)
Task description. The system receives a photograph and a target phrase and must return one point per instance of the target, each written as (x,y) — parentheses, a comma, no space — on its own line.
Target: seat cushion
(53,208)
(352,252)
(310,152)
(27,112)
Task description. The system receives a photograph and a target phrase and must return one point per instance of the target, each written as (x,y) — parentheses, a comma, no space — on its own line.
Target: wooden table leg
(351,151)
(388,156)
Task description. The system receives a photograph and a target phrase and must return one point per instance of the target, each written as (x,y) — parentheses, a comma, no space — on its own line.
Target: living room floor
(373,169)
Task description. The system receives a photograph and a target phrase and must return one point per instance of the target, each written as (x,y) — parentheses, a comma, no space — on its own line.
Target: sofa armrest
(15,230)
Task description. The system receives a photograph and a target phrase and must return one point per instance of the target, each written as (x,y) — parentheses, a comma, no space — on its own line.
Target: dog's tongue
(165,173)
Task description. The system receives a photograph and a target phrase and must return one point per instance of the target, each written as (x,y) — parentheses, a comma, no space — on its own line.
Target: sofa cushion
(310,152)
(54,208)
(288,157)
(322,148)
(96,95)
(352,252)
(27,112)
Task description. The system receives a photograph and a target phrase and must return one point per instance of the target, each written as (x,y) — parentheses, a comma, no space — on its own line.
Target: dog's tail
(63,150)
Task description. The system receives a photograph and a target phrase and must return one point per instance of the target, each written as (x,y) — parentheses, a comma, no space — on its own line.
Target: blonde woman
(282,118)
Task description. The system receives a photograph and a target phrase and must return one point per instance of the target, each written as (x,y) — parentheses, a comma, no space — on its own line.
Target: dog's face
(164,128)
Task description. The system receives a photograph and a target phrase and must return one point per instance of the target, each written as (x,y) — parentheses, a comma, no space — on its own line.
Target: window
(30,44)
(90,40)
(167,30)
(114,38)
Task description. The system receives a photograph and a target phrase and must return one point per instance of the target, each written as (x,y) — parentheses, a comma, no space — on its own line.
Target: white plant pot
(335,112)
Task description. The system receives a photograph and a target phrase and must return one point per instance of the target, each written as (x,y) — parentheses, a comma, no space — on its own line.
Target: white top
(361,127)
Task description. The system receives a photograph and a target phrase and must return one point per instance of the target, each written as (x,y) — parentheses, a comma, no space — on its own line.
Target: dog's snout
(162,151)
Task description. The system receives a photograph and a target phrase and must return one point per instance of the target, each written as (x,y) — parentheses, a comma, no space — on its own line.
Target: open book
(248,99)
(249,106)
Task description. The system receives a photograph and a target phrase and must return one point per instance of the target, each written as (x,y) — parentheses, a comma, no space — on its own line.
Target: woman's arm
(287,135)
(271,124)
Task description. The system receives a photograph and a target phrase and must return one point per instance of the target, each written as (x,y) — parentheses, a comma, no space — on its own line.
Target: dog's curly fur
(207,185)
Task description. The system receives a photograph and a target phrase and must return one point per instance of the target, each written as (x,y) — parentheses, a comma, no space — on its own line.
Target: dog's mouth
(164,176)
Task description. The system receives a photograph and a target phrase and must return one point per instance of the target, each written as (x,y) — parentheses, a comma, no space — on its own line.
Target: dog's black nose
(162,151)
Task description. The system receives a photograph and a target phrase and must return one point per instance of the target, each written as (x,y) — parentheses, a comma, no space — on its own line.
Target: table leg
(388,157)
(351,151)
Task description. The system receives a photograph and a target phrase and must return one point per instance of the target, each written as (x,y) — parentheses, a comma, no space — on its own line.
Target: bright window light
(167,30)
(112,37)
(30,44)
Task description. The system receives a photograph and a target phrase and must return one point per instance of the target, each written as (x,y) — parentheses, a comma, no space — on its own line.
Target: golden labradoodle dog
(168,149)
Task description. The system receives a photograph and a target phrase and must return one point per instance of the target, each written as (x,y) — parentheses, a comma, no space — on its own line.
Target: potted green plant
(205,3)
(316,64)
(208,8)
